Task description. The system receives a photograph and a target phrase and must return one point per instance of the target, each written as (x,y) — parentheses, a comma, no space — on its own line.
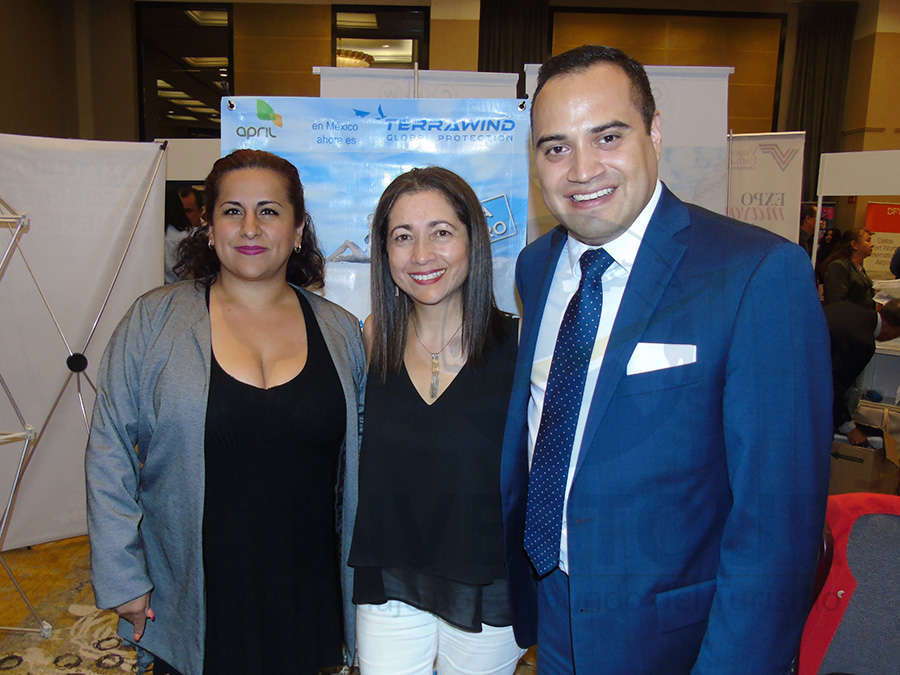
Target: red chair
(854,625)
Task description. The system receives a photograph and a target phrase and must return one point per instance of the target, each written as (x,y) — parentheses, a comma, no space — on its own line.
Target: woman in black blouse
(427,549)
(843,274)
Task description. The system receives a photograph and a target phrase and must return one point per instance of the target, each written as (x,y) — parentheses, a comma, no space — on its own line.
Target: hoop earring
(209,242)
(396,291)
(298,247)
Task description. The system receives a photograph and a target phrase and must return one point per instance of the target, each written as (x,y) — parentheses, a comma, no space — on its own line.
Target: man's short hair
(582,58)
(809,211)
(185,192)
(890,313)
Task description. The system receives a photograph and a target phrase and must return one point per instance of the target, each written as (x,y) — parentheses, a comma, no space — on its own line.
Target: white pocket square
(650,356)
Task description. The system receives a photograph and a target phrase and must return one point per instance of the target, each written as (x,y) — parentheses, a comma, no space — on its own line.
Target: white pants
(397,639)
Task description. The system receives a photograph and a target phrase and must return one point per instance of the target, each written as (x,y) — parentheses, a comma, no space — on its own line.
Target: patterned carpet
(82,640)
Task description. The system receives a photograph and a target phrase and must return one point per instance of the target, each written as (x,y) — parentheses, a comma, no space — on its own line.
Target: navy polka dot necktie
(559,417)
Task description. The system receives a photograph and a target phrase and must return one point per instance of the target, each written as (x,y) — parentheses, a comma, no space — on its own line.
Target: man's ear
(656,135)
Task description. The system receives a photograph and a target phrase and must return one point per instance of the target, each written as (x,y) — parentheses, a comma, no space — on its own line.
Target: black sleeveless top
(429,527)
(270,550)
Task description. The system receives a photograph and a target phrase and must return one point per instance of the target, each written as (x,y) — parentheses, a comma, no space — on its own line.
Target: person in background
(854,330)
(843,275)
(179,225)
(830,239)
(224,430)
(665,461)
(430,583)
(192,203)
(807,227)
(895,263)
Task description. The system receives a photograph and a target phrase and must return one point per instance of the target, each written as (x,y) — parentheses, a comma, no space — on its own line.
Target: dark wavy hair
(196,260)
(842,250)
(583,57)
(391,307)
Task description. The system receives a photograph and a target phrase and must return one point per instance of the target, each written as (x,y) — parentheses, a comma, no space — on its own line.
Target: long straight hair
(391,307)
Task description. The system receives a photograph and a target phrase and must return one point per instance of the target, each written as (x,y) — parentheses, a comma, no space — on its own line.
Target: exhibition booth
(86,223)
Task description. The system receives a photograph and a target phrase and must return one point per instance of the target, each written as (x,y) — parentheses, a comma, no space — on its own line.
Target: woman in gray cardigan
(222,458)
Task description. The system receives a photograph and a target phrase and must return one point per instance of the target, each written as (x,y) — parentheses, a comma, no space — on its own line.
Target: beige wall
(38,75)
(453,44)
(872,105)
(750,46)
(68,69)
(70,66)
(113,66)
(453,35)
(276,47)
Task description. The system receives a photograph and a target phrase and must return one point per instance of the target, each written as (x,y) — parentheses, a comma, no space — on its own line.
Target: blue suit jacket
(699,495)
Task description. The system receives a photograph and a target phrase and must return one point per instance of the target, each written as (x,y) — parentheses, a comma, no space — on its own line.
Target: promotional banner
(766,181)
(883,221)
(693,107)
(348,150)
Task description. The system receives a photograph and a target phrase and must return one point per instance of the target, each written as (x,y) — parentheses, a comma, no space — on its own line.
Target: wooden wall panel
(37,69)
(884,95)
(453,44)
(276,47)
(749,45)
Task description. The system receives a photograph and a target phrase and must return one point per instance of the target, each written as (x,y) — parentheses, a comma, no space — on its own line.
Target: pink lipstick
(250,250)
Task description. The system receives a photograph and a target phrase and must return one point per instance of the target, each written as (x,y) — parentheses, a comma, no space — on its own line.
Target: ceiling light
(208,18)
(356,20)
(162,84)
(187,101)
(206,61)
(172,93)
(202,109)
(185,118)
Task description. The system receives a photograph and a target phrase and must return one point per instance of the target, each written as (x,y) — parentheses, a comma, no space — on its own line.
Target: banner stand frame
(27,435)
(76,364)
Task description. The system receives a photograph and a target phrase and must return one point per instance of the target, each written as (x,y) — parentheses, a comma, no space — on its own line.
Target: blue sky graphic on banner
(348,150)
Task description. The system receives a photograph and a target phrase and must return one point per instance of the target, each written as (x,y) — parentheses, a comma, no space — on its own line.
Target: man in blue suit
(665,463)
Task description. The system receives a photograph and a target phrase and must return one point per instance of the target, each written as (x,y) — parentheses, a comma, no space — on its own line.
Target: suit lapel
(533,312)
(514,462)
(658,256)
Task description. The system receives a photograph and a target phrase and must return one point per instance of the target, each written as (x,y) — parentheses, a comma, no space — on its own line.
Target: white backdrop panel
(390,83)
(693,106)
(873,172)
(190,158)
(82,198)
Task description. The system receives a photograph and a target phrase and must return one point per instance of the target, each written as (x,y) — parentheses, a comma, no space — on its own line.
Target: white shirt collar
(623,248)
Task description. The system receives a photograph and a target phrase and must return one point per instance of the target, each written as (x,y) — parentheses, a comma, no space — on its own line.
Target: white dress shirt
(566,278)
